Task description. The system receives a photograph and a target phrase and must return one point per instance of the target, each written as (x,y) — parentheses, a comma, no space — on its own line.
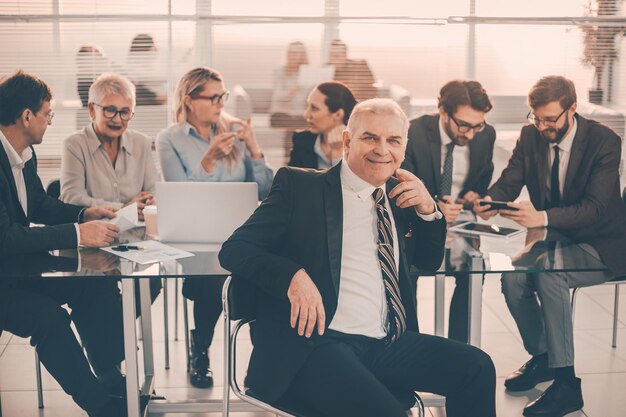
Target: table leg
(440,303)
(130,347)
(146,330)
(475,303)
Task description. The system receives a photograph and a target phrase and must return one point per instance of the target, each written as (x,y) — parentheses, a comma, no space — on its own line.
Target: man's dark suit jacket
(299,225)
(303,150)
(15,235)
(592,209)
(423,156)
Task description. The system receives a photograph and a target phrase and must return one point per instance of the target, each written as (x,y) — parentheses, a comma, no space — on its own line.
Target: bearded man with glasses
(570,166)
(452,152)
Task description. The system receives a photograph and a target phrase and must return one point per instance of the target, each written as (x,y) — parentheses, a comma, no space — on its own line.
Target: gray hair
(111,84)
(377,106)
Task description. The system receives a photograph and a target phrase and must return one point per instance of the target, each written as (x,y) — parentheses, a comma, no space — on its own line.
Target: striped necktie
(395,310)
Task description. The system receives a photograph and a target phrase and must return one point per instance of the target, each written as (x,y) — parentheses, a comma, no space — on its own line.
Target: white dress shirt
(460,161)
(362,305)
(17,166)
(565,152)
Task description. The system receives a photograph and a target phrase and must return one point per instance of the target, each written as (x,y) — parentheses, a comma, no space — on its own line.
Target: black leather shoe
(530,374)
(200,373)
(558,400)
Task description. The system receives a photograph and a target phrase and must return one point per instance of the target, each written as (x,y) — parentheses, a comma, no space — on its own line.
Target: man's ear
(26,115)
(345,137)
(443,114)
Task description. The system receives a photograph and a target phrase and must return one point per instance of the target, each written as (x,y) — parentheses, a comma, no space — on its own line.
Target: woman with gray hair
(105,163)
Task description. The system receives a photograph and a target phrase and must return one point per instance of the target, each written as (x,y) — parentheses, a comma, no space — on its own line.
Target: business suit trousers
(349,375)
(206,294)
(34,310)
(541,306)
(459,309)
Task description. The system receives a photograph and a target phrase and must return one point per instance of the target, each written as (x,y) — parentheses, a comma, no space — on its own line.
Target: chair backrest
(241,299)
(54,188)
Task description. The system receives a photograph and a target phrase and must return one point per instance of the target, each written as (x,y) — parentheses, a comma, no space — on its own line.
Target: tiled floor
(602,368)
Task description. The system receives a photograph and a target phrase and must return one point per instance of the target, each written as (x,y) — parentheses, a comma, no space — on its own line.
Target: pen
(125,248)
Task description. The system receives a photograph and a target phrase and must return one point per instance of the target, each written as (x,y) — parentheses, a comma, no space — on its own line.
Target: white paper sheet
(150,251)
(126,218)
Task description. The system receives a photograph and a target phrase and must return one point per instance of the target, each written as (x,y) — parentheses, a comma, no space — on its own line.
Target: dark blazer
(592,209)
(423,156)
(15,235)
(299,225)
(302,150)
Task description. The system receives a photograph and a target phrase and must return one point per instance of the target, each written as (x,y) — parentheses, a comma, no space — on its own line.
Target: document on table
(148,251)
(126,218)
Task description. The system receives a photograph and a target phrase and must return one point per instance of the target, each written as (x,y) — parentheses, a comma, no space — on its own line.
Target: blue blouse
(180,150)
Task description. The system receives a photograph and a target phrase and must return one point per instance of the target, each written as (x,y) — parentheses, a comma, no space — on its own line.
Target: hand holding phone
(497,205)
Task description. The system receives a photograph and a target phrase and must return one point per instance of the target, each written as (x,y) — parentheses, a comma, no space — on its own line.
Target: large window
(411,46)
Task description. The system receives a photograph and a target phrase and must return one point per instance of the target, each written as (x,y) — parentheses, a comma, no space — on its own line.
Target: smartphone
(497,205)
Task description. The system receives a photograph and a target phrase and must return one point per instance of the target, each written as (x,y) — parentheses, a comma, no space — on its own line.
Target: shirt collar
(188,129)
(445,139)
(359,186)
(93,143)
(15,160)
(568,140)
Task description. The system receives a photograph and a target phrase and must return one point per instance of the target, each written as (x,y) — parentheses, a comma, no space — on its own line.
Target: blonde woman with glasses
(207,144)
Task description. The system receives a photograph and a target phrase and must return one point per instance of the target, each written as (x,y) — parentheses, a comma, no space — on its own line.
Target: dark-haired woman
(329,106)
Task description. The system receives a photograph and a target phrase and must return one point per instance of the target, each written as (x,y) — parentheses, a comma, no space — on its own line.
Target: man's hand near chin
(412,192)
(307,308)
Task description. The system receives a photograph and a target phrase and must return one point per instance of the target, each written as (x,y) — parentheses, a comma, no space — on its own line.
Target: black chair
(237,315)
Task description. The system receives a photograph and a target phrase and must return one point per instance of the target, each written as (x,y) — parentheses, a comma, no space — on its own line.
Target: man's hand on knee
(307,308)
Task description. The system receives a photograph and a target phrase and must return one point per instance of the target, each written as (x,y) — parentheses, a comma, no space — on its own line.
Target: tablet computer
(474,228)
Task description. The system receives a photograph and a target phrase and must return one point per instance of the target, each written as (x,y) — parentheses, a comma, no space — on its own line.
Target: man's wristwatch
(81,216)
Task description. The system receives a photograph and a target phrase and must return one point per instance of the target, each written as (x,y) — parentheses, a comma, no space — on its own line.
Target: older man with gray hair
(337,329)
(105,163)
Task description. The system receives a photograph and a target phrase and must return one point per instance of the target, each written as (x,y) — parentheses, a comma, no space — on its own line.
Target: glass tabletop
(96,263)
(536,250)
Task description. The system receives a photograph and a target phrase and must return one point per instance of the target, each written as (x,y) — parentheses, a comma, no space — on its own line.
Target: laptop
(203,212)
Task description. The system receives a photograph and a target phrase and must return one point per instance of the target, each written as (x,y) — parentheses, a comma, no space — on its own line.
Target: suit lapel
(333,206)
(577,152)
(434,145)
(8,173)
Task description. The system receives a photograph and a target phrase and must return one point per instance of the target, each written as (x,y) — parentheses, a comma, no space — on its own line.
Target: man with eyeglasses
(570,166)
(451,152)
(32,308)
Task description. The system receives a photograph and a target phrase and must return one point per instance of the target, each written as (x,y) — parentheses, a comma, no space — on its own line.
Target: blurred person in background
(208,144)
(329,106)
